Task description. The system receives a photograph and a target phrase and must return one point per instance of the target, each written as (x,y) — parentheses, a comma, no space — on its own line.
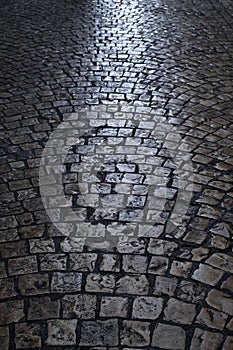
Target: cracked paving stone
(212,318)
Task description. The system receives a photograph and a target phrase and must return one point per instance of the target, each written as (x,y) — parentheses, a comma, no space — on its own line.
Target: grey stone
(135,284)
(82,262)
(169,337)
(34,284)
(11,311)
(99,333)
(61,332)
(204,340)
(147,307)
(135,333)
(100,283)
(79,306)
(27,336)
(66,282)
(113,307)
(43,308)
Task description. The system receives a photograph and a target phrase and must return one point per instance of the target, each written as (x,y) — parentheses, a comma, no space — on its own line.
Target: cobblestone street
(137,252)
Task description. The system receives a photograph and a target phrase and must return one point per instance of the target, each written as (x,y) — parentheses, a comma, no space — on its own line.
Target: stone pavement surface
(168,288)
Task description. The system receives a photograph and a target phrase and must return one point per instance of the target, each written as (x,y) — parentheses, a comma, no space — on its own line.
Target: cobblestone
(149,105)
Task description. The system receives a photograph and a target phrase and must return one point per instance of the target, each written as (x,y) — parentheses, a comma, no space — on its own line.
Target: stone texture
(4,338)
(212,318)
(168,337)
(179,312)
(7,288)
(137,284)
(99,333)
(147,307)
(135,263)
(113,307)
(79,306)
(43,308)
(100,283)
(27,336)
(207,274)
(135,333)
(22,266)
(61,332)
(66,282)
(11,311)
(165,285)
(204,340)
(34,284)
(220,301)
(82,262)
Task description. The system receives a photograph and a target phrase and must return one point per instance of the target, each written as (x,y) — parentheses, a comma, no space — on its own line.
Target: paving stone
(11,311)
(82,262)
(135,263)
(113,307)
(74,245)
(27,336)
(161,247)
(168,337)
(228,343)
(79,306)
(41,246)
(135,284)
(147,307)
(66,282)
(21,266)
(181,268)
(179,312)
(33,284)
(2,270)
(221,261)
(109,262)
(165,285)
(158,265)
(135,333)
(7,288)
(4,338)
(99,333)
(100,283)
(220,301)
(135,246)
(53,262)
(14,249)
(207,274)
(205,340)
(61,332)
(43,308)
(212,318)
(191,292)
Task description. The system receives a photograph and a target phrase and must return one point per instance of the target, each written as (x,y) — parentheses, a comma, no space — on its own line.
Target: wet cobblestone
(167,288)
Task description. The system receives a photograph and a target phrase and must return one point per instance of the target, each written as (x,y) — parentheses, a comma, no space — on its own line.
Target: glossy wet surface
(138,69)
